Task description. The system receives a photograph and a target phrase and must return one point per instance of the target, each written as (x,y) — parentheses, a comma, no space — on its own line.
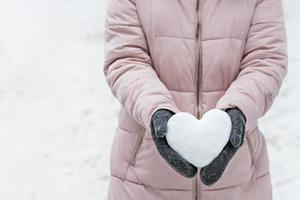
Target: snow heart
(199,141)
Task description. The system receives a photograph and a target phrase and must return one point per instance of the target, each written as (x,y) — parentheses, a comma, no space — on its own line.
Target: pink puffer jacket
(191,56)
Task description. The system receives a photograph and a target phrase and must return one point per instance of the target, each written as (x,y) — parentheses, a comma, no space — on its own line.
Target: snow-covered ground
(58,116)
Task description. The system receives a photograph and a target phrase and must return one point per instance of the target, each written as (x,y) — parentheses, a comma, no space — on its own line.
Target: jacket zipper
(196,188)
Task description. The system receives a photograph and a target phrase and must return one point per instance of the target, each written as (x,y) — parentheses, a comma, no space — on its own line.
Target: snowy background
(58,116)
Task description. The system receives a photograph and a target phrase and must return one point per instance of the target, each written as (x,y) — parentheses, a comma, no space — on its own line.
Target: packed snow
(193,138)
(58,116)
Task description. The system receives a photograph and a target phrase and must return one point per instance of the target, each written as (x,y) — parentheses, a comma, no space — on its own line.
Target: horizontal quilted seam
(239,185)
(171,37)
(127,131)
(262,176)
(116,25)
(220,90)
(147,186)
(203,40)
(206,190)
(214,39)
(179,91)
(212,91)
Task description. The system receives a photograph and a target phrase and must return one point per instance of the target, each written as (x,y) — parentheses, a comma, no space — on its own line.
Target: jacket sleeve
(127,65)
(263,66)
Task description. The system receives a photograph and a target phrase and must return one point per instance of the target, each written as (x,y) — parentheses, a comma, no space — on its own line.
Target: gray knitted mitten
(158,130)
(213,172)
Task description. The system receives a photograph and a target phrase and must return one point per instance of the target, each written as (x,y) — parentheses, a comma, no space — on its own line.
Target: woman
(164,57)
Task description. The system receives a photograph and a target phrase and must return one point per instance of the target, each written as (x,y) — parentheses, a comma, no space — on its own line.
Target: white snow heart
(199,141)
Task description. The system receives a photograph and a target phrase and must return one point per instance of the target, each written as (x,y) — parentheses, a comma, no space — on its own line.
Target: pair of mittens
(219,137)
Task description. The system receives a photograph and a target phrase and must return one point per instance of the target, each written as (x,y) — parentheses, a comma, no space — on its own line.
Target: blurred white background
(58,116)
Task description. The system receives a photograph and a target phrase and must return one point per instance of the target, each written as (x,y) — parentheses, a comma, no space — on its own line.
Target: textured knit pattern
(238,126)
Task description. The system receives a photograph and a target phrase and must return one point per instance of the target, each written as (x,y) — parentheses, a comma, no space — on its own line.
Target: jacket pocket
(137,146)
(250,148)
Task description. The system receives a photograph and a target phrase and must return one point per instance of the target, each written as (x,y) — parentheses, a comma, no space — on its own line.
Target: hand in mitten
(213,172)
(199,141)
(158,130)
